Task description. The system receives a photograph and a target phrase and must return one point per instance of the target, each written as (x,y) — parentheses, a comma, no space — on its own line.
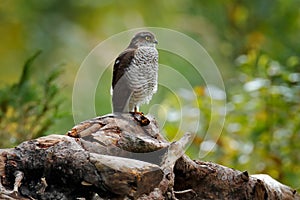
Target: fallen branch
(114,157)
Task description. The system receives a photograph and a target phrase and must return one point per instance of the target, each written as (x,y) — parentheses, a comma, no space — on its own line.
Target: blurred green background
(255,44)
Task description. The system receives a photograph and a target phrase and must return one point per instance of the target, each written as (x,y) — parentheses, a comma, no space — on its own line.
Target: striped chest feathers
(143,68)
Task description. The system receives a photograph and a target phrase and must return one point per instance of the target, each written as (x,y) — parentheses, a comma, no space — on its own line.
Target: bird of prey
(135,74)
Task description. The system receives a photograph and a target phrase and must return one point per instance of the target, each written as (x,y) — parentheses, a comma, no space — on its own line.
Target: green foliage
(28,109)
(262,129)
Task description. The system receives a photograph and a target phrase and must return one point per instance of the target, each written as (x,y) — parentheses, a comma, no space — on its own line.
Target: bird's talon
(140,117)
(144,121)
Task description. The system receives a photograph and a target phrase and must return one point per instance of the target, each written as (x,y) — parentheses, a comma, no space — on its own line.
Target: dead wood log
(114,157)
(212,181)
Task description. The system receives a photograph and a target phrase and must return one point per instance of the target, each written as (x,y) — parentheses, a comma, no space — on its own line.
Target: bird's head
(143,39)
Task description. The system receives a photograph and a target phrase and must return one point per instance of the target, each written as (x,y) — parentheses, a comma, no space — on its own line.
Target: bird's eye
(147,38)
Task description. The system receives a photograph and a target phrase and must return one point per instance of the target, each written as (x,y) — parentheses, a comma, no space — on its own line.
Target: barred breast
(142,76)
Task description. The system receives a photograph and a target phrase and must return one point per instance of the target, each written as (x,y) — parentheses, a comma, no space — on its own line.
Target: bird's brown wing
(121,89)
(121,63)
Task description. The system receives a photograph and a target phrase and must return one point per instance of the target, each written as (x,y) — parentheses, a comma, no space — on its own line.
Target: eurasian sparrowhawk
(135,73)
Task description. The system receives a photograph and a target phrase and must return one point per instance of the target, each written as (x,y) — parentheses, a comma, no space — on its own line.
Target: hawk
(135,74)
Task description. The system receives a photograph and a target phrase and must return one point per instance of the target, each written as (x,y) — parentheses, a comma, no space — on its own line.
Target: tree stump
(115,157)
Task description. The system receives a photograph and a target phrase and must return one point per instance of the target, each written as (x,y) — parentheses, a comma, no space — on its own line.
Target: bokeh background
(255,44)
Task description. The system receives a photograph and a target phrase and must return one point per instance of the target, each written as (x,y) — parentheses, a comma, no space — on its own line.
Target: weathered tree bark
(115,157)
